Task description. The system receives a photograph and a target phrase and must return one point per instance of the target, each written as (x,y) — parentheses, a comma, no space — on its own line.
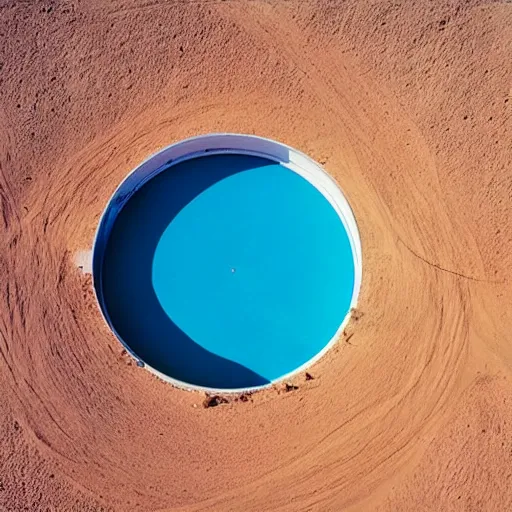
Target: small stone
(213,401)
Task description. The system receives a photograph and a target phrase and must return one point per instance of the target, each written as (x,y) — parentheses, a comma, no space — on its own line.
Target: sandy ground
(408,105)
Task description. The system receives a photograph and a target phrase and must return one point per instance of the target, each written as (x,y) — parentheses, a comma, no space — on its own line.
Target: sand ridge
(409,108)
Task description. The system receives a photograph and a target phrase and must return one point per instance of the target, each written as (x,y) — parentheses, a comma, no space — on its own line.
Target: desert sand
(408,106)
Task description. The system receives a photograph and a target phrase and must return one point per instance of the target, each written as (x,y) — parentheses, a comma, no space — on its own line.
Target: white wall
(226,143)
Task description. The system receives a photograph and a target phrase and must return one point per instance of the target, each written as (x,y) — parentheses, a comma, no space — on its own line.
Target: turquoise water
(227,271)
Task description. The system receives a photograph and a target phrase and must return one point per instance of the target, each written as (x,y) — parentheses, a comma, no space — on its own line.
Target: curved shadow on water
(127,289)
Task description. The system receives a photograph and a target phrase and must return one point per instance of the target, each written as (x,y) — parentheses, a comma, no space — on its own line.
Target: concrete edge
(216,143)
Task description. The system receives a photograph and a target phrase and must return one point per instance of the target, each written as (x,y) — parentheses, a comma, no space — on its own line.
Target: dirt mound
(408,106)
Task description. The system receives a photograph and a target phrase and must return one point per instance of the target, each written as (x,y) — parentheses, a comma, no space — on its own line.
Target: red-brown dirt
(408,106)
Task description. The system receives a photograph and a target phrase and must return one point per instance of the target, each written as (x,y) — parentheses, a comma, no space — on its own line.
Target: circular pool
(227,262)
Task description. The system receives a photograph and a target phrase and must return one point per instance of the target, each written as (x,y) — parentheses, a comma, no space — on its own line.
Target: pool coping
(225,143)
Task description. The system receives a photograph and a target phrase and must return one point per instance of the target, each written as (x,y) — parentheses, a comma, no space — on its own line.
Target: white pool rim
(225,143)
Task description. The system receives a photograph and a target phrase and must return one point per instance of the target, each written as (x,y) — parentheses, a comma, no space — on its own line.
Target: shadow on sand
(127,290)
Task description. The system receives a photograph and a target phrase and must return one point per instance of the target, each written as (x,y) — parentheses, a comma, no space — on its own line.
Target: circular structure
(227,262)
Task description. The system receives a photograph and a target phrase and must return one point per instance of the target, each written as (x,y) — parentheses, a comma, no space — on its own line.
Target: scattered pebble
(356,314)
(213,401)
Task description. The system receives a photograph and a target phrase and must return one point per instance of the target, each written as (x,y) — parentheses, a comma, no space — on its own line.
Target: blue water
(227,271)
